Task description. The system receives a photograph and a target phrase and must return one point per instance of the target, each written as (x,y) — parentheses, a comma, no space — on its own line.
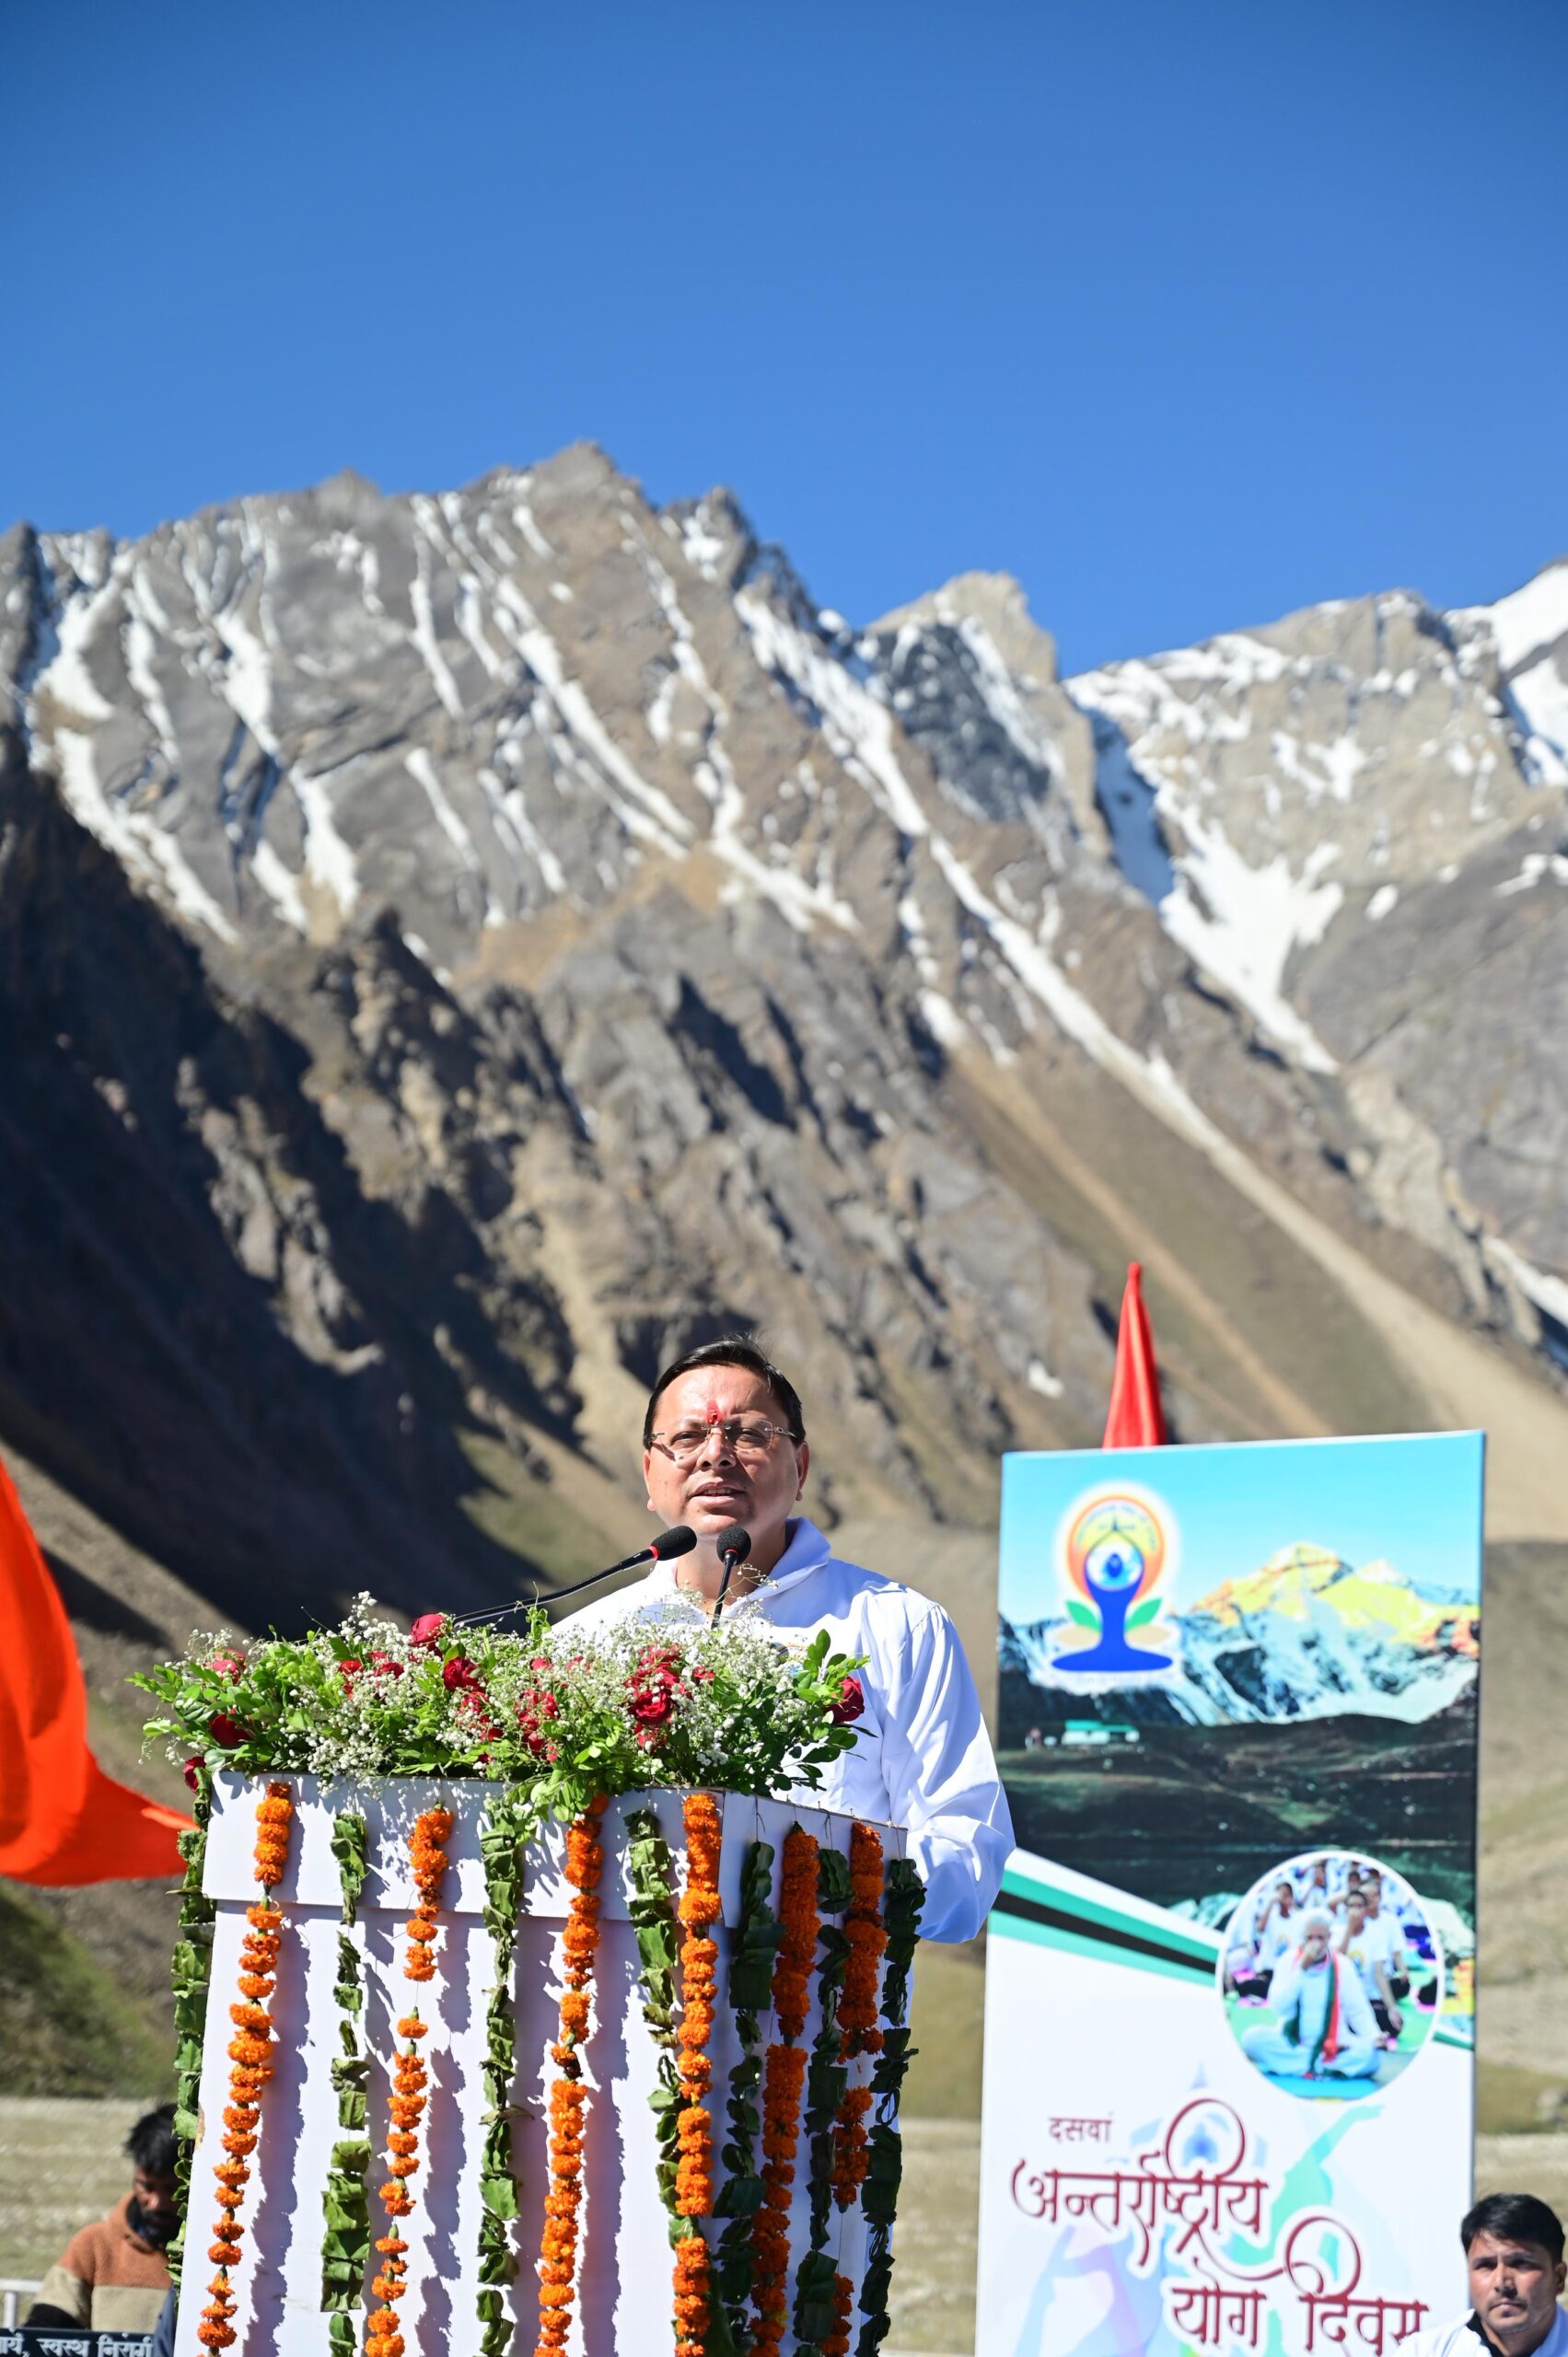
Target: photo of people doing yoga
(1331,1975)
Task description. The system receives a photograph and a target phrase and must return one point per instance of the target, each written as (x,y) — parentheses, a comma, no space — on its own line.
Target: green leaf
(834,1889)
(1082,1614)
(350,1839)
(1142,1613)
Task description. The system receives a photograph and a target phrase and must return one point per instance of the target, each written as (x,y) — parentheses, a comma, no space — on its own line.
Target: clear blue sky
(1186,315)
(1413,1499)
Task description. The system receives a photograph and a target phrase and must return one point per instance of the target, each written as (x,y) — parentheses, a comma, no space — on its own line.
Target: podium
(622,2306)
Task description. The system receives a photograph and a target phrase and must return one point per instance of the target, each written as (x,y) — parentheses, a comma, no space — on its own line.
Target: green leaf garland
(755,1945)
(346,2201)
(903,1898)
(505,1830)
(826,2080)
(658,1942)
(190,1971)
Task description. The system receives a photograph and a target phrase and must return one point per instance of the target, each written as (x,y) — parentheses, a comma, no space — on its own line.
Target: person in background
(1324,2026)
(1514,2253)
(1312,1884)
(1383,1936)
(114,2277)
(1367,1952)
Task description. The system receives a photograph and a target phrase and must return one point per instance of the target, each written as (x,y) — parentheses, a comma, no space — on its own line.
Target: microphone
(670,1543)
(679,1541)
(733,1547)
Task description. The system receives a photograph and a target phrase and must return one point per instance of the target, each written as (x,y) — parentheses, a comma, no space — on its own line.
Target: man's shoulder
(90,2251)
(888,1600)
(1457,2338)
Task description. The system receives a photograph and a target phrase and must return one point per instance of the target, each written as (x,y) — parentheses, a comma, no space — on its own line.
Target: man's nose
(716,1440)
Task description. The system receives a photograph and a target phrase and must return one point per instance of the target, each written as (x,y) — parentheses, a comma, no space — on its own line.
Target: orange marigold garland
(904,1899)
(698,1960)
(784,2080)
(405,2105)
(693,2068)
(251,2054)
(568,2097)
(691,2294)
(838,2340)
(859,2007)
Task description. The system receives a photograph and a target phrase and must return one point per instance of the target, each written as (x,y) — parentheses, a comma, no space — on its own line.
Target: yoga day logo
(1115,1546)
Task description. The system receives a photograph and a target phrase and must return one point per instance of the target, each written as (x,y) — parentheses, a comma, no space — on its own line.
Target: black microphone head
(679,1541)
(733,1543)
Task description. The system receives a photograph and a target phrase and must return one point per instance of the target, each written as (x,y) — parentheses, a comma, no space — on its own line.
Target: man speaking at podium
(723,1445)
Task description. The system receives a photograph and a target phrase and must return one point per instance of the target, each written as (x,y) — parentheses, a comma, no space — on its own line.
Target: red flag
(1136,1419)
(62,1819)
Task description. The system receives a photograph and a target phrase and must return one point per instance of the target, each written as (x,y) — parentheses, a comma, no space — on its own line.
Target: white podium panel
(625,2263)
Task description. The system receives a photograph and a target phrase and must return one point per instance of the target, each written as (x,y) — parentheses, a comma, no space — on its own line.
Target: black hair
(1515,2218)
(150,2145)
(730,1350)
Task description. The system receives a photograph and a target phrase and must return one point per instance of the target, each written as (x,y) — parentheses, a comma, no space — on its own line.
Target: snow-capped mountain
(1339,818)
(1306,1636)
(467,945)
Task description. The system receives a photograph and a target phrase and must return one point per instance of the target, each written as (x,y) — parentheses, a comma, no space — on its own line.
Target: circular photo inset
(1331,1975)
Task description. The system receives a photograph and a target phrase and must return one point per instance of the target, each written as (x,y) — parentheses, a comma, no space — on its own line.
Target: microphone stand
(679,1541)
(734,1544)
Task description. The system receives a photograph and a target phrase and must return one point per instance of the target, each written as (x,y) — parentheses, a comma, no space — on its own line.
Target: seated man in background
(1513,2252)
(1384,1936)
(1325,2027)
(1368,1950)
(1279,1928)
(113,2277)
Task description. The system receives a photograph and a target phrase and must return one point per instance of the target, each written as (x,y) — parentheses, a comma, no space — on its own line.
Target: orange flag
(62,1819)
(1136,1419)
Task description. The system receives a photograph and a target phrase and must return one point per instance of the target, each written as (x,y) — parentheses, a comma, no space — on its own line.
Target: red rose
(652,1705)
(427,1628)
(385,1666)
(192,1771)
(349,1670)
(849,1704)
(228,1731)
(458,1672)
(702,1676)
(229,1666)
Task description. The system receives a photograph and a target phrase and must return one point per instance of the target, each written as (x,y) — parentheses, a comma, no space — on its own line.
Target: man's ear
(1559,2275)
(803,1461)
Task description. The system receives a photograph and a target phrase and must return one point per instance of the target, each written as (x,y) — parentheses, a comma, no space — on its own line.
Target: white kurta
(1300,1998)
(1463,2337)
(921,1756)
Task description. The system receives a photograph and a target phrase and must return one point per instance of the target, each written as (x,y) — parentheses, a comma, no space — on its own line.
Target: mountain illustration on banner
(1306,1635)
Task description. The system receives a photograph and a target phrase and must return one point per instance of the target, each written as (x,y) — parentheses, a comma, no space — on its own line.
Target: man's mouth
(718,1492)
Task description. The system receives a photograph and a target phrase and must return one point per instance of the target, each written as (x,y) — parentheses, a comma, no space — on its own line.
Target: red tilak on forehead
(716,1414)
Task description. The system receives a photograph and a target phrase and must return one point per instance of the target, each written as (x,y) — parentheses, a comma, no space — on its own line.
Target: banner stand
(1230,1984)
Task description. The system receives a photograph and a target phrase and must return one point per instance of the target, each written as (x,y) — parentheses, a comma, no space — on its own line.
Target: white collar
(806,1551)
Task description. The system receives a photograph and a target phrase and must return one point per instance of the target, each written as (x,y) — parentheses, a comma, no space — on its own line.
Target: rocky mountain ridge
(462,948)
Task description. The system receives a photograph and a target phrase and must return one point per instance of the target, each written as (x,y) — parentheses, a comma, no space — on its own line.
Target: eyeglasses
(746,1436)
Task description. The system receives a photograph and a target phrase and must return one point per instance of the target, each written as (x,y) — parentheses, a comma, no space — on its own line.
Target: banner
(1230,1981)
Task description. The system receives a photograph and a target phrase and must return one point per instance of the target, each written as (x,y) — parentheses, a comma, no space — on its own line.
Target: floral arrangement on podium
(506,1959)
